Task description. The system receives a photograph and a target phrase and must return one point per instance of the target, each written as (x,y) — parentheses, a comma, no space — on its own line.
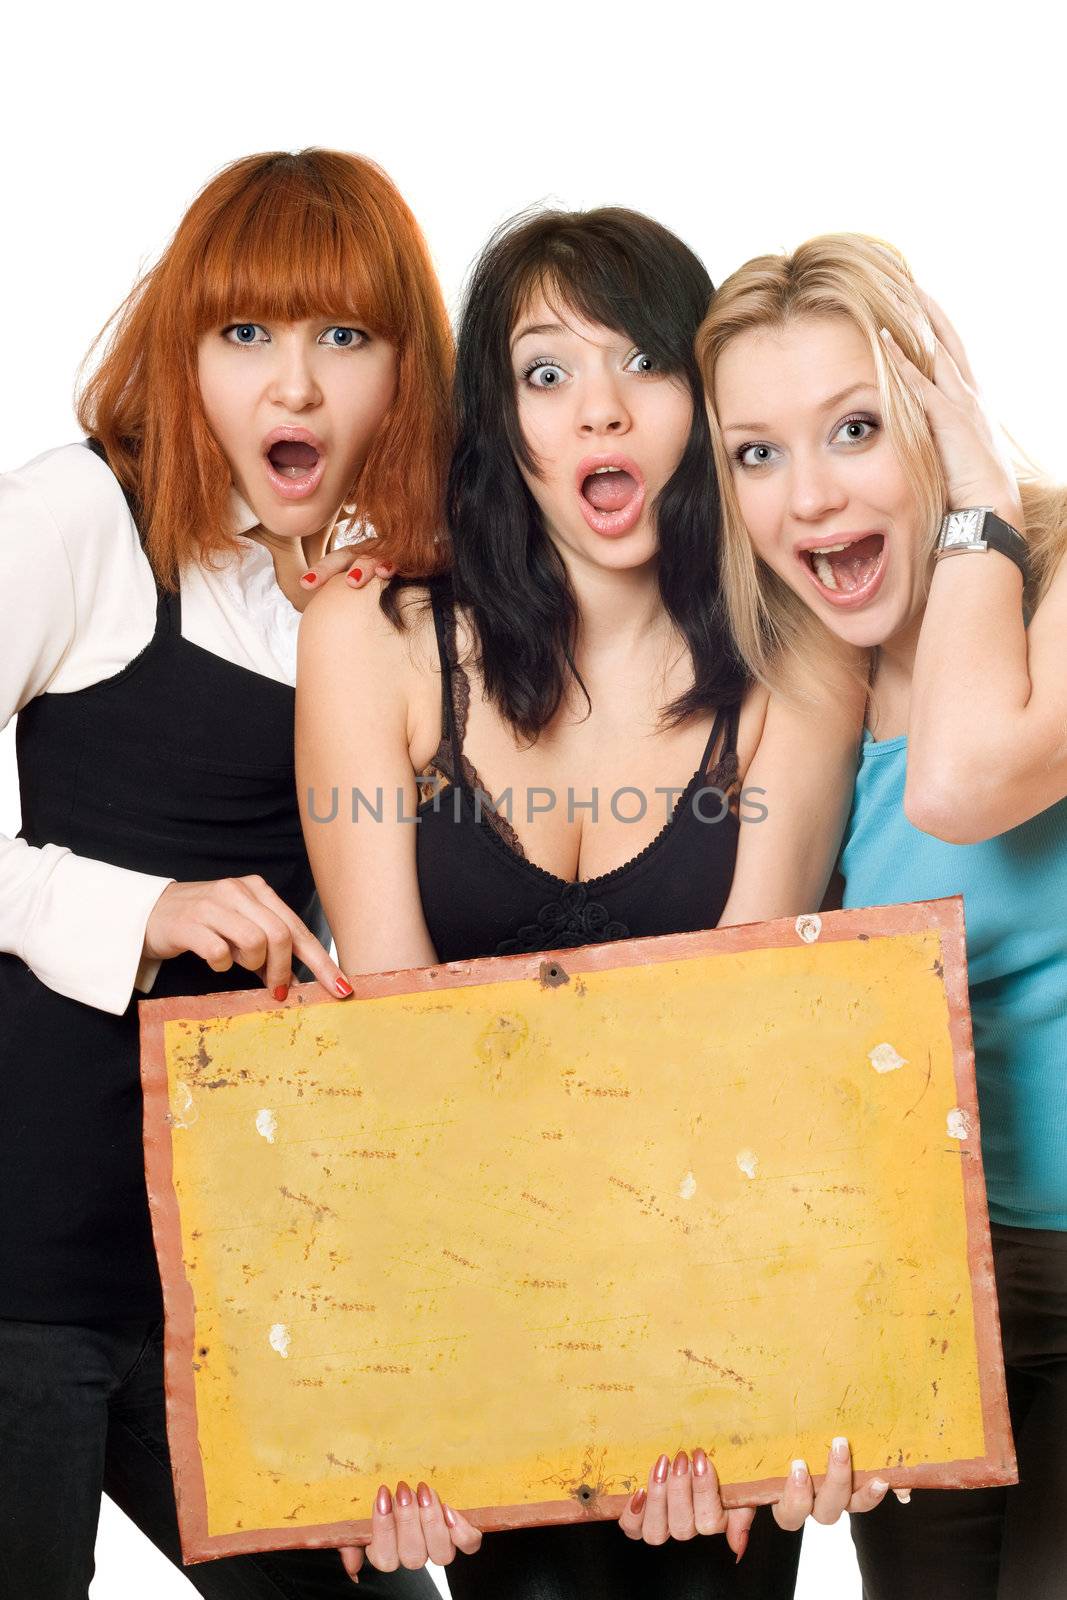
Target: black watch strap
(985,530)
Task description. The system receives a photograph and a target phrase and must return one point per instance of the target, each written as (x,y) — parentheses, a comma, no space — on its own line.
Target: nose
(815,489)
(601,409)
(293,384)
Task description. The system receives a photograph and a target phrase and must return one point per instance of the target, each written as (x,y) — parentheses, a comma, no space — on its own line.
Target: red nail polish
(404,1496)
(661,1469)
(423,1495)
(743,1542)
(450,1516)
(384,1501)
(637,1504)
(700,1463)
(309,577)
(281,991)
(343,987)
(356,573)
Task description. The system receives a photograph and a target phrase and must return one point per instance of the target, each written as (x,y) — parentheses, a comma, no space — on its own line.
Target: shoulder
(70,497)
(345,630)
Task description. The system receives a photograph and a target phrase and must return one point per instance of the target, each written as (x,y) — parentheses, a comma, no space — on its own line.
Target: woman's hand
(976,471)
(409,1531)
(357,563)
(239,920)
(800,1500)
(681,1501)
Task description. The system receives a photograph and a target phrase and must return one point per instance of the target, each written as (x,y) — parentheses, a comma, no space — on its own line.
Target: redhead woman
(579,650)
(866,503)
(284,367)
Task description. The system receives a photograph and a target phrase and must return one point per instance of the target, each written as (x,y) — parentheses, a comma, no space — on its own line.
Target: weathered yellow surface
(515,1238)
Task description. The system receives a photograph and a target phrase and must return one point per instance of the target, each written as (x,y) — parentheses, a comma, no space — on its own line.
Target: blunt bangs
(284,249)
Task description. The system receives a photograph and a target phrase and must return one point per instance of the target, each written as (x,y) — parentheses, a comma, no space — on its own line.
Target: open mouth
(295,463)
(848,573)
(611,494)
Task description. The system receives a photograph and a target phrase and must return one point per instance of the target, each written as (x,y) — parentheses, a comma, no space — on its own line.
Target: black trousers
(81,1410)
(995,1544)
(596,1561)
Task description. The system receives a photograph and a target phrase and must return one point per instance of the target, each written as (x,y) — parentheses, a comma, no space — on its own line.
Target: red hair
(279,237)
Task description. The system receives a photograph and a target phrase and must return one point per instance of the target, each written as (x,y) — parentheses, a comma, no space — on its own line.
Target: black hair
(626,272)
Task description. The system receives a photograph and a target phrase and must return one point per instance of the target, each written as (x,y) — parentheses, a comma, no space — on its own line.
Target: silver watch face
(963,527)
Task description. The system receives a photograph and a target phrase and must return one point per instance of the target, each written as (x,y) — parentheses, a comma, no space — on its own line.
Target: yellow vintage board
(516,1226)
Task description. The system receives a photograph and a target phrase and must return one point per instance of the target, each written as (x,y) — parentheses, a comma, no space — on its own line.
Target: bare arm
(987,729)
(987,738)
(355,680)
(805,764)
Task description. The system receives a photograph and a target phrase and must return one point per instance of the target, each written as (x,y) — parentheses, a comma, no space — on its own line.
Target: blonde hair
(868,282)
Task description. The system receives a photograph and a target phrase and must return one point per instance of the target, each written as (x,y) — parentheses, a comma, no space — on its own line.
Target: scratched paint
(266,1124)
(473,1234)
(884,1058)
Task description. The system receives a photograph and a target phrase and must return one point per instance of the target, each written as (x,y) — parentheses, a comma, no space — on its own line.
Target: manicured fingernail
(661,1469)
(423,1495)
(343,987)
(384,1501)
(878,1486)
(839,1449)
(700,1463)
(742,1540)
(450,1516)
(388,569)
(404,1496)
(281,991)
(904,1496)
(681,1464)
(310,577)
(798,1471)
(637,1504)
(355,573)
(885,335)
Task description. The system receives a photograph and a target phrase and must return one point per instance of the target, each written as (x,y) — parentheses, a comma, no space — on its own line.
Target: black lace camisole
(482,896)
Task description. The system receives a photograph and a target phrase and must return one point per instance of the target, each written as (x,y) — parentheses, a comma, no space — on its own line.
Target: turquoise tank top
(1015,903)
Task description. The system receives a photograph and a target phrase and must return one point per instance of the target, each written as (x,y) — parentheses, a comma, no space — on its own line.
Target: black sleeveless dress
(482,896)
(180,765)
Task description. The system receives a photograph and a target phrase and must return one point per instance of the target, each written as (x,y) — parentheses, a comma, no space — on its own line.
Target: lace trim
(723,775)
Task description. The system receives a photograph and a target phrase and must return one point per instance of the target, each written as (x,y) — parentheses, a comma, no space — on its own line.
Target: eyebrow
(828,404)
(538,328)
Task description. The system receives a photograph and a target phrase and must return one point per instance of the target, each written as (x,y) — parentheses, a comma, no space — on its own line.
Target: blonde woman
(847,430)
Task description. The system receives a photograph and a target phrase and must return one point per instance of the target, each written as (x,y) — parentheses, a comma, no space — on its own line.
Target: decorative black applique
(565,923)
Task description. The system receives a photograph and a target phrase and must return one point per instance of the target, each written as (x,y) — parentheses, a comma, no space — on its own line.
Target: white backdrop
(744,128)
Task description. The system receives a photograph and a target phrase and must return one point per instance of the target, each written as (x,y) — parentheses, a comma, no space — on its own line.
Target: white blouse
(77,604)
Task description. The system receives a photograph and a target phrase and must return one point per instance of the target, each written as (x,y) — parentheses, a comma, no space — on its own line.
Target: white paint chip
(688,1187)
(884,1058)
(183,1113)
(266,1124)
(280,1339)
(748,1161)
(808,927)
(959,1126)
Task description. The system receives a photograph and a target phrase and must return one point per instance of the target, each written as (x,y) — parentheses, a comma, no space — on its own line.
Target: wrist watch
(979,528)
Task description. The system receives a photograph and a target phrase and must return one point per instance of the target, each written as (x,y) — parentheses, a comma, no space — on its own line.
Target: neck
(620,612)
(894,666)
(292,558)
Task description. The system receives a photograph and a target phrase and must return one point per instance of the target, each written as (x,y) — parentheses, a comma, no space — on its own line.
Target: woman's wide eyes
(641,363)
(246,333)
(850,430)
(544,375)
(340,338)
(756,455)
(336,338)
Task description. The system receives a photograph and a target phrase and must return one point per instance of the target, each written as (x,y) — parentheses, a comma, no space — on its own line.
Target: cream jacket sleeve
(77,603)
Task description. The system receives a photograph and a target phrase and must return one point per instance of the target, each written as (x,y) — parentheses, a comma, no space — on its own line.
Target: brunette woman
(285,364)
(851,516)
(580,650)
